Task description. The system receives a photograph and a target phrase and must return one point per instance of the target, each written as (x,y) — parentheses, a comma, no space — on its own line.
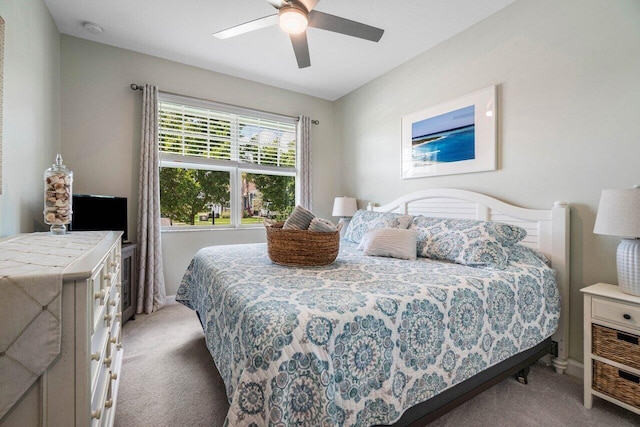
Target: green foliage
(186,192)
(279,190)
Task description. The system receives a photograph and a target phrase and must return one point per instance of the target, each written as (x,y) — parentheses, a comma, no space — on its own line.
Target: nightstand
(611,350)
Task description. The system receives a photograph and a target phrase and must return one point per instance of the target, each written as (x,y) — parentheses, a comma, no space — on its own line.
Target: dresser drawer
(107,275)
(98,298)
(617,312)
(99,397)
(99,349)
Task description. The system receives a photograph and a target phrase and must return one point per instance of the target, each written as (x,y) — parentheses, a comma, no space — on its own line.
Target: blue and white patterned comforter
(362,340)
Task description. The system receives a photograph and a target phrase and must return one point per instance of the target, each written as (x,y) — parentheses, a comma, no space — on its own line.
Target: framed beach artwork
(456,136)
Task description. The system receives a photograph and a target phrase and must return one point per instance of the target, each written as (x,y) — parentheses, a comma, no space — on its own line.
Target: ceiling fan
(294,16)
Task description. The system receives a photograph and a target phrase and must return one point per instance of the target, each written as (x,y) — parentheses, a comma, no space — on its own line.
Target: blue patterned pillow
(364,221)
(468,242)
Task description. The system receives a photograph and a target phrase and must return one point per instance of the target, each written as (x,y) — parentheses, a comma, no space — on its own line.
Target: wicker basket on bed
(301,248)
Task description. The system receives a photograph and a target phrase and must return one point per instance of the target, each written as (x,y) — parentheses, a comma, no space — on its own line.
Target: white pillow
(391,242)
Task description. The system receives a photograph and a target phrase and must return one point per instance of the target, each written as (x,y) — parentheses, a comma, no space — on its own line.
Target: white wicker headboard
(547,231)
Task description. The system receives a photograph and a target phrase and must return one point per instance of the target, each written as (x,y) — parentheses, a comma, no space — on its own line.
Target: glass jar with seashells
(57,196)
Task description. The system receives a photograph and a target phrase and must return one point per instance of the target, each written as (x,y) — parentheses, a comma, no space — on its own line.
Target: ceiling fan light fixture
(293,20)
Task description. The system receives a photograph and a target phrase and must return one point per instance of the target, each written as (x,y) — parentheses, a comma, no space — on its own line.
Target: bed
(374,340)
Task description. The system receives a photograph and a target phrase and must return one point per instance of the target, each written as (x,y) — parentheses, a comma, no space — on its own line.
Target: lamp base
(628,262)
(344,220)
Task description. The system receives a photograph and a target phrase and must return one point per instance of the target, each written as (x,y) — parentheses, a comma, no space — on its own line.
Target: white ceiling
(181,30)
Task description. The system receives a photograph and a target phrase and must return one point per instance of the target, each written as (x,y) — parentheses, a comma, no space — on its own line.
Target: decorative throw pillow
(299,219)
(391,242)
(322,225)
(468,242)
(364,221)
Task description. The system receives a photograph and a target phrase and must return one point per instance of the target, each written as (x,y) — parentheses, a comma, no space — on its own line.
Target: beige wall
(569,121)
(31,122)
(101,119)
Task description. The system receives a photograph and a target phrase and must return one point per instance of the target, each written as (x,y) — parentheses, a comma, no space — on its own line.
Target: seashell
(61,190)
(60,203)
(51,208)
(50,217)
(51,200)
(59,185)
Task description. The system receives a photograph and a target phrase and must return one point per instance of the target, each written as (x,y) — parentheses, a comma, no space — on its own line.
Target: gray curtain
(304,162)
(151,289)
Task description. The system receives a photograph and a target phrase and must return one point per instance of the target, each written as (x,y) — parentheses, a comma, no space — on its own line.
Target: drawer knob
(96,414)
(108,403)
(112,340)
(107,276)
(114,376)
(100,295)
(95,356)
(627,316)
(107,361)
(119,316)
(112,303)
(107,317)
(119,346)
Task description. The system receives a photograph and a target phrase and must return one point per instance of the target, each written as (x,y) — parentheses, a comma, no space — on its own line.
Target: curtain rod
(135,86)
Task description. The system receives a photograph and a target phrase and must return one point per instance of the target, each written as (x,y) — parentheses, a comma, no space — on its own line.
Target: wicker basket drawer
(616,383)
(618,346)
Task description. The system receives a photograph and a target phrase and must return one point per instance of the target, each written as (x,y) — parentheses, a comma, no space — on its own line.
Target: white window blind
(193,133)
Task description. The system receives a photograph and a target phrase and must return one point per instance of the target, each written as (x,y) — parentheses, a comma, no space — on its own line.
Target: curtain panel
(304,163)
(151,286)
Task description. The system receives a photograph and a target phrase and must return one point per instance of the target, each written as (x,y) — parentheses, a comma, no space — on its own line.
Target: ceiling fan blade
(309,4)
(301,49)
(256,24)
(276,3)
(324,21)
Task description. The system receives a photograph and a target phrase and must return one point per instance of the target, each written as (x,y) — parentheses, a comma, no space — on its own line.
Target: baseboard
(170,299)
(575,369)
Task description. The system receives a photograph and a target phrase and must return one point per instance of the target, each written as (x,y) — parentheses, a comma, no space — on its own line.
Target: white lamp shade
(344,206)
(619,213)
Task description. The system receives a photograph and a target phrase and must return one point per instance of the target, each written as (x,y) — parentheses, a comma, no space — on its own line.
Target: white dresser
(80,387)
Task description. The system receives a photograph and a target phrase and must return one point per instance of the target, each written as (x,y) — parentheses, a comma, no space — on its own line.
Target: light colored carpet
(169,379)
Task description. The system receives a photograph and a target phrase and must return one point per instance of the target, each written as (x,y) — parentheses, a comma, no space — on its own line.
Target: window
(222,165)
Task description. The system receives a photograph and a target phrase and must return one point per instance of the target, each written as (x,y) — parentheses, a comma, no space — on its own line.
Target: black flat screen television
(94,212)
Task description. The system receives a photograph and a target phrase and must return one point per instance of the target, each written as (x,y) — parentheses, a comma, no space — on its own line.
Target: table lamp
(344,207)
(619,215)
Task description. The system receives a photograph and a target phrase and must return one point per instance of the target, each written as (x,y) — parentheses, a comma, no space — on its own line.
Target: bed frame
(547,231)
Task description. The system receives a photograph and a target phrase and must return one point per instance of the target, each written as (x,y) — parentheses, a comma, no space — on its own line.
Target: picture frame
(453,137)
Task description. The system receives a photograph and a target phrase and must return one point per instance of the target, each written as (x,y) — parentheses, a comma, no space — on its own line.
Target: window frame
(234,167)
